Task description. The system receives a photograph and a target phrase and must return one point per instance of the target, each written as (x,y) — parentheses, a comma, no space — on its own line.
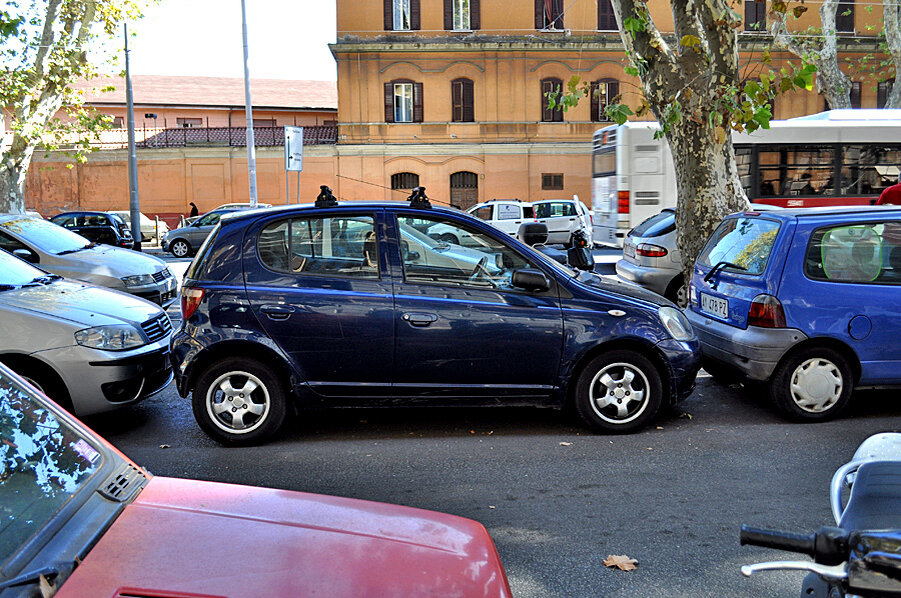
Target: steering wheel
(480,271)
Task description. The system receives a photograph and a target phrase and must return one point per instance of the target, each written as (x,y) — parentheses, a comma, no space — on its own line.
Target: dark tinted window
(857,253)
(657,225)
(745,242)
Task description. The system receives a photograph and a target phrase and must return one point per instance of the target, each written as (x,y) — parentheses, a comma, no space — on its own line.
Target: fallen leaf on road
(491,507)
(685,415)
(164,446)
(566,444)
(621,561)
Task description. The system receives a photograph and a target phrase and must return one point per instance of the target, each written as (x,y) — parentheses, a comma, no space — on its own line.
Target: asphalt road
(556,499)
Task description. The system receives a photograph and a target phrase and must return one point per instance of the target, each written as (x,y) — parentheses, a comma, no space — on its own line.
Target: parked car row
(563,217)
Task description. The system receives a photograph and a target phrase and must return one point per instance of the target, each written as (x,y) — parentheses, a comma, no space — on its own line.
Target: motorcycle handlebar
(792,542)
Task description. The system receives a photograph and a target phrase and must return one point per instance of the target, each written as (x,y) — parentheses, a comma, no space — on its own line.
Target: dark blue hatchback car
(354,304)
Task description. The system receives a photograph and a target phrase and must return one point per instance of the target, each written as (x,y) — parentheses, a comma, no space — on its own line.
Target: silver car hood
(107,260)
(81,304)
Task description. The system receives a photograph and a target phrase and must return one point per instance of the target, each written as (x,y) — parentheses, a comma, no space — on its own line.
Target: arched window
(603,93)
(464,189)
(403,101)
(404,180)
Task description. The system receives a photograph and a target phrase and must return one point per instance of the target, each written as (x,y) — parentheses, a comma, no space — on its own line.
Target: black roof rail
(418,198)
(325,199)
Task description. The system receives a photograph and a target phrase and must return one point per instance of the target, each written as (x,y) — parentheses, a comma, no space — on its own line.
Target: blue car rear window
(745,242)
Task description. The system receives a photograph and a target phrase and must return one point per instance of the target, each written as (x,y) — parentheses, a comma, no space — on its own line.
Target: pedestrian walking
(194,211)
(891,195)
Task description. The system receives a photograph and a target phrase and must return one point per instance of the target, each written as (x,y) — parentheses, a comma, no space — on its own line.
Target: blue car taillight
(766,311)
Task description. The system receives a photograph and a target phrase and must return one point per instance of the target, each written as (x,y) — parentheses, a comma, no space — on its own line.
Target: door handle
(277,312)
(419,319)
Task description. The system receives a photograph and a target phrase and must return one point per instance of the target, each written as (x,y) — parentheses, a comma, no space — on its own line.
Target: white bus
(792,164)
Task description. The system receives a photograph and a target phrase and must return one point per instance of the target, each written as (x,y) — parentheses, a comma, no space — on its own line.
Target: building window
(118,122)
(460,14)
(403,101)
(550,87)
(403,181)
(401,15)
(464,189)
(603,93)
(189,123)
(462,99)
(755,16)
(552,182)
(844,17)
(883,91)
(548,14)
(264,122)
(606,18)
(855,94)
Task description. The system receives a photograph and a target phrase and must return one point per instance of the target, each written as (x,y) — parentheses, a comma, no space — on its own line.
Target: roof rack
(418,198)
(325,199)
(501,199)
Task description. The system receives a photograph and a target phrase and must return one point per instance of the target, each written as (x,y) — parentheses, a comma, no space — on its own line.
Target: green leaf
(631,70)
(798,11)
(618,113)
(690,41)
(633,25)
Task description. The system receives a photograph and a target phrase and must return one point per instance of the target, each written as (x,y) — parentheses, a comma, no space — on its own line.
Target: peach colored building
(447,94)
(191,139)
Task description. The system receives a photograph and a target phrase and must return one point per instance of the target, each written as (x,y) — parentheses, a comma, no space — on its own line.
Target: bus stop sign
(294,148)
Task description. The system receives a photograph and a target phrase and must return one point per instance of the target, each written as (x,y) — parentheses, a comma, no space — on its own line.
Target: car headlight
(137,280)
(115,337)
(676,323)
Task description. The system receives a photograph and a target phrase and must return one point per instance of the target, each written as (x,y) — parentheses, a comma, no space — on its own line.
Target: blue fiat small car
(807,300)
(355,304)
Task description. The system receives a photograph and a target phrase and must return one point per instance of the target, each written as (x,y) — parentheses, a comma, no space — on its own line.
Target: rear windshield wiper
(719,266)
(58,570)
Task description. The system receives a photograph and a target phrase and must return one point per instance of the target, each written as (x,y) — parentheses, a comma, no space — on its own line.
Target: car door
(200,229)
(319,286)
(462,330)
(560,217)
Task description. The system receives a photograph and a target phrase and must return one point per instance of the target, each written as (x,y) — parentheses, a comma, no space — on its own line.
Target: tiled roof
(213,91)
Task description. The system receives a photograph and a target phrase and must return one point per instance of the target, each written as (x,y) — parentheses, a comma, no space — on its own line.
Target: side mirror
(532,233)
(28,256)
(580,258)
(530,279)
(406,254)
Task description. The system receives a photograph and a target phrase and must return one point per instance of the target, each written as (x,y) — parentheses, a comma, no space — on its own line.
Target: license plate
(629,250)
(715,306)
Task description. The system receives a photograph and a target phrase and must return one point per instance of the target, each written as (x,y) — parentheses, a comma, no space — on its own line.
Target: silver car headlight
(676,323)
(114,337)
(138,280)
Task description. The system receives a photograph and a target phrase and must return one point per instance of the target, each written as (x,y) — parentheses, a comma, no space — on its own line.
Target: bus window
(868,169)
(797,170)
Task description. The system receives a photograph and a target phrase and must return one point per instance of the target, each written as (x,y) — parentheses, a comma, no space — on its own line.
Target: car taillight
(649,250)
(623,201)
(766,311)
(190,301)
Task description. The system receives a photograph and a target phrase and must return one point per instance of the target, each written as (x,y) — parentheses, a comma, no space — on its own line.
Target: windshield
(15,272)
(745,242)
(45,235)
(43,464)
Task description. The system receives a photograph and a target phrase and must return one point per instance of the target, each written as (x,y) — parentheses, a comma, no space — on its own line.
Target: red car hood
(184,538)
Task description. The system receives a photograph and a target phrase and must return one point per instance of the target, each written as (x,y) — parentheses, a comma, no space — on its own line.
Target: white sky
(287,39)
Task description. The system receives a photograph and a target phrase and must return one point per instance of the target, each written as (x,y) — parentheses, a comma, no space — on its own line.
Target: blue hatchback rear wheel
(813,384)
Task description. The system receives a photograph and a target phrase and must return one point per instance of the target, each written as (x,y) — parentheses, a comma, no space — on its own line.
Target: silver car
(88,348)
(652,260)
(66,253)
(186,240)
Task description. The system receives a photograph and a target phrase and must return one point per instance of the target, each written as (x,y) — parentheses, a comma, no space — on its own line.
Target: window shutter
(595,103)
(844,22)
(417,102)
(389,15)
(606,17)
(414,15)
(550,114)
(539,14)
(389,102)
(448,15)
(475,20)
(468,101)
(557,12)
(457,100)
(612,89)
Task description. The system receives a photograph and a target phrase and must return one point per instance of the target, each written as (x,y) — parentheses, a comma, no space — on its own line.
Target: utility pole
(133,205)
(248,110)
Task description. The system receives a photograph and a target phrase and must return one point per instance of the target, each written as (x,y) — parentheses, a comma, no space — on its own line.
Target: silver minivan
(68,254)
(89,348)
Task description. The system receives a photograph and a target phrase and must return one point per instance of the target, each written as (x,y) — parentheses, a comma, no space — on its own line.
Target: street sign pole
(134,207)
(248,111)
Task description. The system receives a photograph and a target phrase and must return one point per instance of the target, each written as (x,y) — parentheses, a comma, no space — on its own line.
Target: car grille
(157,328)
(162,275)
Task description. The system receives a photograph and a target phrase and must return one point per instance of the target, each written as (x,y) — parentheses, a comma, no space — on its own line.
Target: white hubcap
(816,385)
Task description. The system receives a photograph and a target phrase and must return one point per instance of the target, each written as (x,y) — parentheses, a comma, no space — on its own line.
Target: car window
(43,464)
(67,221)
(506,211)
(209,219)
(657,225)
(554,209)
(95,220)
(432,261)
(44,234)
(15,272)
(745,242)
(855,253)
(345,246)
(483,213)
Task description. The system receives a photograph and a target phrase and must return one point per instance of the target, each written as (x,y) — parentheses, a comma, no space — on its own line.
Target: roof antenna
(418,198)
(325,199)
